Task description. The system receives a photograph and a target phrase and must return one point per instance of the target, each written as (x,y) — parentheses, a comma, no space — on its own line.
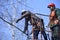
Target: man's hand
(56,21)
(17,20)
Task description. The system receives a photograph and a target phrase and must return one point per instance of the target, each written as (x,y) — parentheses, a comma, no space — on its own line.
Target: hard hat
(51,5)
(23,12)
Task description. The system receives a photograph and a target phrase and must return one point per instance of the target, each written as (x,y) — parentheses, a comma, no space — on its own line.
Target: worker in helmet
(27,16)
(35,21)
(54,22)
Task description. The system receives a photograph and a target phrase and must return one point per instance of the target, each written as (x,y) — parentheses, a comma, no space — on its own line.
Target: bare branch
(13,25)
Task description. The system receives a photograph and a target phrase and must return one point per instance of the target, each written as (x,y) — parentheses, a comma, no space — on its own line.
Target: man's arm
(55,24)
(32,20)
(22,17)
(17,20)
(56,21)
(26,25)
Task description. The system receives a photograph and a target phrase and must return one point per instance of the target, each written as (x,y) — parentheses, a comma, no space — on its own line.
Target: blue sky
(37,6)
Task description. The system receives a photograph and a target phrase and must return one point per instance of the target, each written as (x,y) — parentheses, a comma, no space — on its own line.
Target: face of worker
(52,8)
(23,12)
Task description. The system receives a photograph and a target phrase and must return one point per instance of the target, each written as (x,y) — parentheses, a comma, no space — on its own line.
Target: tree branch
(13,25)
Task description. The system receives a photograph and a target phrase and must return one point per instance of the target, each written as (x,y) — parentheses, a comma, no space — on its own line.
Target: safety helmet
(51,5)
(23,12)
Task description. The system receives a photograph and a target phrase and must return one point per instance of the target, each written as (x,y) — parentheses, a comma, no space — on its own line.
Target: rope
(42,14)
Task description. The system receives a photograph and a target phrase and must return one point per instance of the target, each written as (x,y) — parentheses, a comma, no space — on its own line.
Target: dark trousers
(36,32)
(44,35)
(55,32)
(55,38)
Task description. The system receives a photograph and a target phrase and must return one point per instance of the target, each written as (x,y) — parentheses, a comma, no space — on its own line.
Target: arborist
(54,22)
(27,16)
(35,21)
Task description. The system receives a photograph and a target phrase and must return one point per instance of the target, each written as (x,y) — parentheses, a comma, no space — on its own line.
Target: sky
(35,6)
